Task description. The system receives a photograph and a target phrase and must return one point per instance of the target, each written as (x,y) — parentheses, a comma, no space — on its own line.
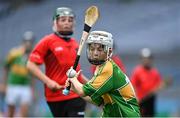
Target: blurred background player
(18,79)
(147,81)
(109,86)
(57,51)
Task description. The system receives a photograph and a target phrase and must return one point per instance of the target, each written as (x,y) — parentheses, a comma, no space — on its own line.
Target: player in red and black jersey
(57,51)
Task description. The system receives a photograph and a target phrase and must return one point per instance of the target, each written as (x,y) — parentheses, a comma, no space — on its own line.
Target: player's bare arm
(76,86)
(35,70)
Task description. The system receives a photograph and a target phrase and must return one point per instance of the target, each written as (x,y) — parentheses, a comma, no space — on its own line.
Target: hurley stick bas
(91,16)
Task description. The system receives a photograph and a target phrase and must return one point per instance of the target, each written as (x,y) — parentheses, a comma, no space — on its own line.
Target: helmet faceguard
(106,41)
(62,11)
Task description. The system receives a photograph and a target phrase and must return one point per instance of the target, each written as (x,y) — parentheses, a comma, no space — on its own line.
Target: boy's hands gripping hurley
(91,16)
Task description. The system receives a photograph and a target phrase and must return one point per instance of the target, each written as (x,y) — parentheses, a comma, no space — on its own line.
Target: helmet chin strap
(95,62)
(65,35)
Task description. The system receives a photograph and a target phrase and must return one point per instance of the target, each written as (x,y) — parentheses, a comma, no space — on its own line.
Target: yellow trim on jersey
(106,73)
(15,52)
(127,92)
(107,99)
(19,69)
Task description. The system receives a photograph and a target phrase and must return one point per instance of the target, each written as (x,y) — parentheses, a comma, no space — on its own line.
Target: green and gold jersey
(112,88)
(16,64)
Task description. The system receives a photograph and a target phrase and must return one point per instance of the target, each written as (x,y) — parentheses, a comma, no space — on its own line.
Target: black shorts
(69,108)
(147,107)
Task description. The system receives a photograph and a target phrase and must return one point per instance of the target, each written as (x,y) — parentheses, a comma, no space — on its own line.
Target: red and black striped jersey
(58,56)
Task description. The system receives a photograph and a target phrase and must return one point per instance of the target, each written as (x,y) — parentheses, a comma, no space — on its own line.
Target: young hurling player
(109,86)
(57,51)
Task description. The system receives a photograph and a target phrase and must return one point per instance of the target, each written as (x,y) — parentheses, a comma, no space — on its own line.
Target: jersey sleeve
(100,84)
(11,56)
(9,59)
(39,52)
(158,79)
